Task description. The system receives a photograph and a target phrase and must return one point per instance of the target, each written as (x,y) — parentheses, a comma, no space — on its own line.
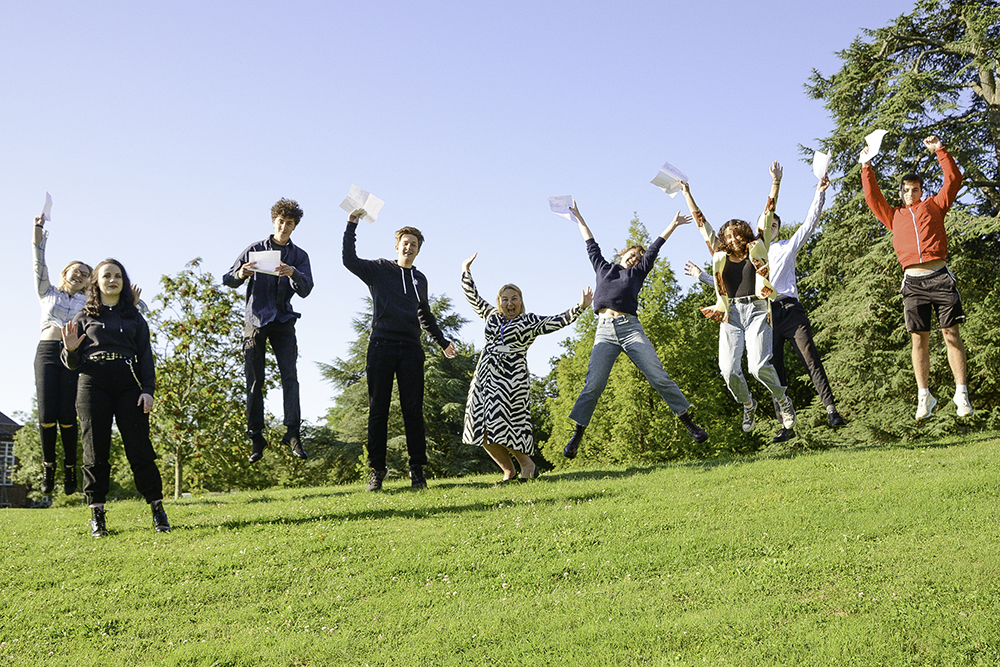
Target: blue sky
(165,131)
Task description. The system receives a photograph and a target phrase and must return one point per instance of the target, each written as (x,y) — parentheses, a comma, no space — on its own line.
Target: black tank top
(740,278)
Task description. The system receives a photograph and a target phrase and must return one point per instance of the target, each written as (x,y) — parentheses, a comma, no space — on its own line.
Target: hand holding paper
(361,201)
(47,209)
(562,206)
(821,164)
(669,179)
(265,261)
(873,143)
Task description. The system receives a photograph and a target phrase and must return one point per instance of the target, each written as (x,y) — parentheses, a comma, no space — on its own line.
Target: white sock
(961,389)
(924,392)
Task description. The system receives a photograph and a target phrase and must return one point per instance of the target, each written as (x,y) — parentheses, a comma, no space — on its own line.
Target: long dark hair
(742,233)
(126,301)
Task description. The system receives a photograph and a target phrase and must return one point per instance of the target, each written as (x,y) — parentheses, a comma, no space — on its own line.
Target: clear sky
(165,131)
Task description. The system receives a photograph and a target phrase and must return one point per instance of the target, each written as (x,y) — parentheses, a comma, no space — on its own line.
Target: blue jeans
(614,336)
(748,329)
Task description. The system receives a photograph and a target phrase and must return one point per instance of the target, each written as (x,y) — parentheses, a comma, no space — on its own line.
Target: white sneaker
(962,401)
(748,415)
(925,406)
(787,411)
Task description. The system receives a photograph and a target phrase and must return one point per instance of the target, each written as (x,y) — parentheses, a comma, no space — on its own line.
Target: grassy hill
(870,556)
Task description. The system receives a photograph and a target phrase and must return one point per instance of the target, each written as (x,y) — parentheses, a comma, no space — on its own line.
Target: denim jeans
(748,328)
(614,336)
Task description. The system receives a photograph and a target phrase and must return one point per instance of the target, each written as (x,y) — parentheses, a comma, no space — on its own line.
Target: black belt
(745,299)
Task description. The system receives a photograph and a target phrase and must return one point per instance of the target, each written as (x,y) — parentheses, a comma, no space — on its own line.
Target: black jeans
(790,322)
(405,362)
(107,390)
(286,353)
(56,390)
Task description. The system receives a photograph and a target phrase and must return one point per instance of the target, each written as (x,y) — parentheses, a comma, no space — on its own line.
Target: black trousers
(405,362)
(55,386)
(790,322)
(108,390)
(286,353)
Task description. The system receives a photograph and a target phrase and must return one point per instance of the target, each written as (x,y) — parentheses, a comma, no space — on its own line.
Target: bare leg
(528,468)
(499,454)
(956,353)
(922,358)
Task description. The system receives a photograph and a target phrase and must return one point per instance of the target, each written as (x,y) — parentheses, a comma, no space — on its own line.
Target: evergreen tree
(931,71)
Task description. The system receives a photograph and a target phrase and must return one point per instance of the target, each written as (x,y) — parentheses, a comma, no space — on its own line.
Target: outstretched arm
(695,271)
(584,229)
(42,284)
(706,230)
(948,193)
(765,222)
(674,224)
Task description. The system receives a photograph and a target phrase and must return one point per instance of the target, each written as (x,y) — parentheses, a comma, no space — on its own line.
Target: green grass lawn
(877,556)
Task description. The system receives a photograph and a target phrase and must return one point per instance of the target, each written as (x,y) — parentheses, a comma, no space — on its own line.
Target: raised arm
(704,228)
(806,229)
(674,224)
(765,223)
(948,193)
(584,229)
(42,284)
(481,306)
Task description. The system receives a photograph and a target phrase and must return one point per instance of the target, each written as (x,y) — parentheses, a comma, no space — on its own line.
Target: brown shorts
(937,291)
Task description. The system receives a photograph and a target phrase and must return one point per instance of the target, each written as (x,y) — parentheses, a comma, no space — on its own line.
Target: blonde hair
(63,283)
(516,289)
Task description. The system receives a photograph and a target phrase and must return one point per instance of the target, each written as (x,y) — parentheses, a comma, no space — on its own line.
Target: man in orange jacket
(921,245)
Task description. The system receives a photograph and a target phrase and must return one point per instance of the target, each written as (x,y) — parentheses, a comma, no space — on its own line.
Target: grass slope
(881,556)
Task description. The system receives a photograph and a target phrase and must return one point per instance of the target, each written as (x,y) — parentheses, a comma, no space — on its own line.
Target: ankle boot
(569,451)
(697,432)
(49,479)
(98,528)
(69,480)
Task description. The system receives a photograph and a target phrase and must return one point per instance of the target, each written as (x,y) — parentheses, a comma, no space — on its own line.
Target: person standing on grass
(743,303)
(400,309)
(616,302)
(54,383)
(108,343)
(497,415)
(788,318)
(269,317)
(921,244)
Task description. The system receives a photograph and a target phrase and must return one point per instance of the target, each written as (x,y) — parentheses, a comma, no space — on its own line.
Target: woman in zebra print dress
(496,414)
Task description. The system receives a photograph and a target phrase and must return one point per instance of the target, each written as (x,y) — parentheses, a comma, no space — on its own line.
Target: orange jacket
(918,234)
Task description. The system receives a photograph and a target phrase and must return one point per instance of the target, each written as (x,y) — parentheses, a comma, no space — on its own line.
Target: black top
(617,287)
(399,296)
(110,332)
(740,278)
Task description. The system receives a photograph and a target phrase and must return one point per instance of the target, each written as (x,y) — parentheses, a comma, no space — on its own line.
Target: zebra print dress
(497,408)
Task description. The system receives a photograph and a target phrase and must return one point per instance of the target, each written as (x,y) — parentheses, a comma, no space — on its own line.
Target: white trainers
(748,415)
(925,406)
(962,401)
(787,411)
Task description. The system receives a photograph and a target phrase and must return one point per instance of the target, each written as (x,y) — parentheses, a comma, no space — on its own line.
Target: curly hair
(287,209)
(412,231)
(743,234)
(126,301)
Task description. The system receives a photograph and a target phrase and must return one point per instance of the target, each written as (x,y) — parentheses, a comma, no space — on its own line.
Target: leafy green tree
(199,419)
(931,71)
(446,386)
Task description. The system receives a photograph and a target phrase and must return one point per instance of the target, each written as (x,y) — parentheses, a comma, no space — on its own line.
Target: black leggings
(56,389)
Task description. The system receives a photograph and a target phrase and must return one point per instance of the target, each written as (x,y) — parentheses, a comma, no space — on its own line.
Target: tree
(931,71)
(199,415)
(446,385)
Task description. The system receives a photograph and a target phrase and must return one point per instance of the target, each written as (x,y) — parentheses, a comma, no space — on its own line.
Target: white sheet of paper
(560,206)
(267,261)
(821,163)
(361,199)
(874,144)
(47,209)
(669,179)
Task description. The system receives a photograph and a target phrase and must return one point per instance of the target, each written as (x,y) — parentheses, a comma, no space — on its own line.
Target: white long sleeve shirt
(782,253)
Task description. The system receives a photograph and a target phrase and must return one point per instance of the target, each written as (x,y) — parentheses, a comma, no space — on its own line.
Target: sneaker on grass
(925,406)
(962,403)
(748,415)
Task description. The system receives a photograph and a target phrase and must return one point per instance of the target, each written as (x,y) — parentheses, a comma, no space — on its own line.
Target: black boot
(417,479)
(49,479)
(569,451)
(69,480)
(293,439)
(697,432)
(160,522)
(98,528)
(259,445)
